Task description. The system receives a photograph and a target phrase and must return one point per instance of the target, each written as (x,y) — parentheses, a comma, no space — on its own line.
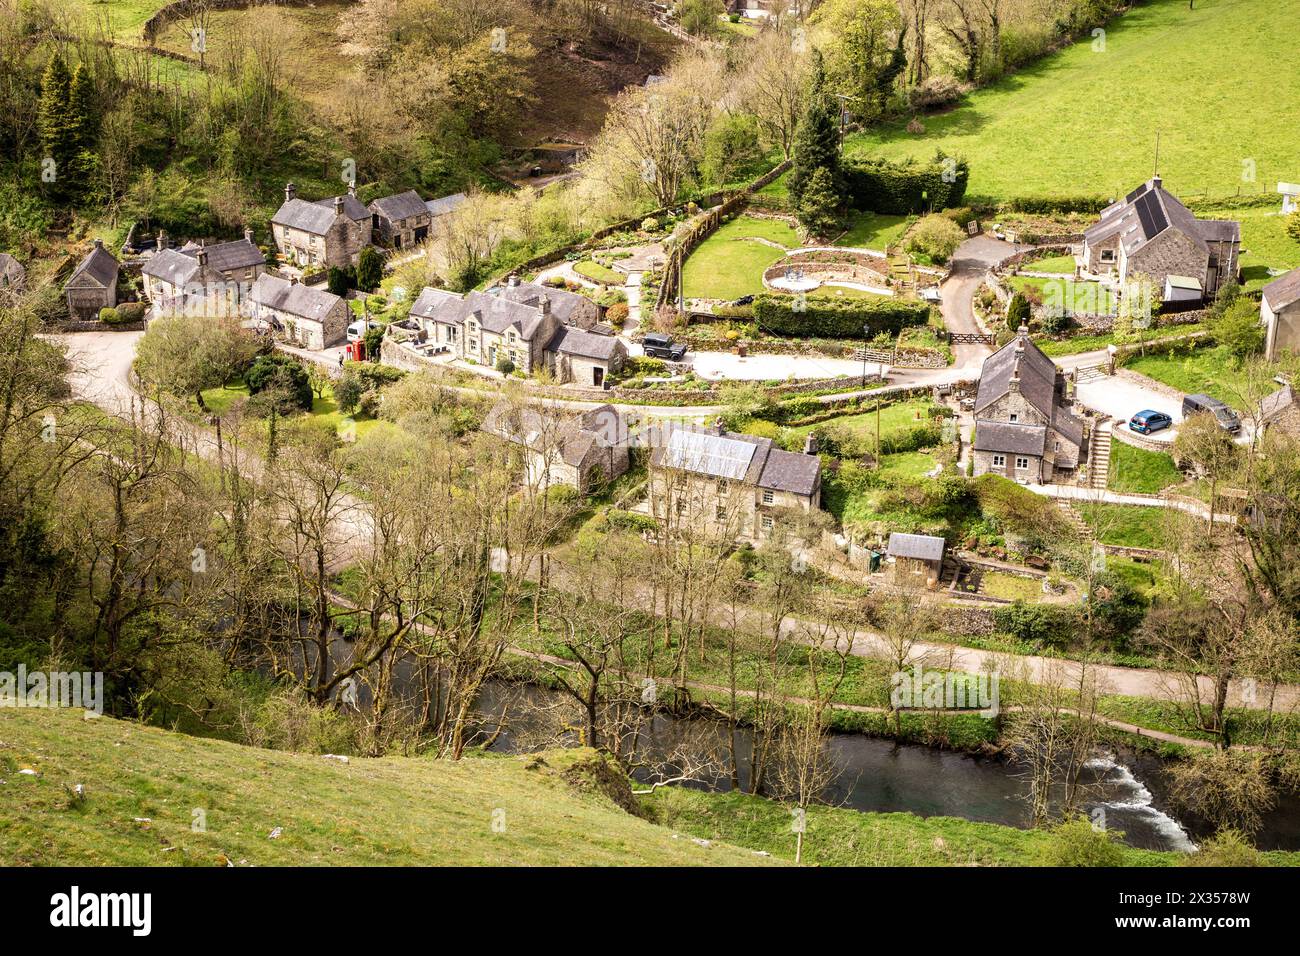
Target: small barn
(916,560)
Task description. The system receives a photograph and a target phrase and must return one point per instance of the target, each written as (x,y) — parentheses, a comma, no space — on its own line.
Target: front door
(598,376)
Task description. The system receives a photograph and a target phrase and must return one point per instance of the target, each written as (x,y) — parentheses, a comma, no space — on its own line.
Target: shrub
(370,269)
(1228,847)
(1238,329)
(907,187)
(562,495)
(131,311)
(340,281)
(616,314)
(1040,624)
(937,89)
(650,224)
(835,318)
(374,341)
(505,366)
(279,373)
(110,316)
(1077,843)
(1019,311)
(937,237)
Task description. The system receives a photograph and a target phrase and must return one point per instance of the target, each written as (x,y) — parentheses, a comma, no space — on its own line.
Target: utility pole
(866,331)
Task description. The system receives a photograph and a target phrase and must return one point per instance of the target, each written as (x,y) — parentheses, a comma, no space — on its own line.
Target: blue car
(1149,421)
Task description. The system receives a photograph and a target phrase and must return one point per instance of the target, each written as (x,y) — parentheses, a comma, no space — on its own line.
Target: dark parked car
(658,345)
(1149,421)
(1225,416)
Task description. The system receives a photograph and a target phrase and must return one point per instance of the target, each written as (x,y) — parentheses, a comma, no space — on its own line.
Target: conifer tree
(817,138)
(54,124)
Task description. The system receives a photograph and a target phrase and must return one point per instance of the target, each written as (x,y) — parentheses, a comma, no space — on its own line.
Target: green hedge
(900,189)
(836,318)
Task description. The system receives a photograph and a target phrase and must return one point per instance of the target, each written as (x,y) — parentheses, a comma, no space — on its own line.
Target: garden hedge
(836,318)
(900,189)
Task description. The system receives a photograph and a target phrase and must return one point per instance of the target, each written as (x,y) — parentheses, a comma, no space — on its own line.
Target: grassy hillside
(1212,80)
(142,785)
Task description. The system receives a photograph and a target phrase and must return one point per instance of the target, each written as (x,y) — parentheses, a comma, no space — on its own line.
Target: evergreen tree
(370,269)
(817,137)
(55,126)
(83,123)
(818,209)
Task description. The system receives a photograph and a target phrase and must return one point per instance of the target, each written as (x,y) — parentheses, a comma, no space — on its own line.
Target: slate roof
(293,298)
(563,302)
(100,266)
(308,216)
(177,267)
(1283,291)
(720,455)
(924,547)
(11,270)
(570,341)
(1148,211)
(1275,403)
(353,208)
(1010,439)
(1037,375)
(427,302)
(440,207)
(400,206)
(575,440)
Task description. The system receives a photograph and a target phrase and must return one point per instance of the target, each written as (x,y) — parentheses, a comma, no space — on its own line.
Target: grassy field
(841,837)
(1264,242)
(1083,122)
(599,273)
(323,409)
(1131,526)
(143,784)
(1138,470)
(1211,371)
(895,418)
(871,230)
(1063,265)
(730,262)
(907,464)
(1091,343)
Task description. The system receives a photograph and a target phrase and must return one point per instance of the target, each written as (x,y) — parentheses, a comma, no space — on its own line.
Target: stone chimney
(513,281)
(338,205)
(352,189)
(544,305)
(202,256)
(99,243)
(1156,181)
(248,235)
(290,191)
(810,444)
(161,244)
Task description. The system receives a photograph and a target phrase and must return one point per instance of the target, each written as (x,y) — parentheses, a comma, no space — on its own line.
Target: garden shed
(916,559)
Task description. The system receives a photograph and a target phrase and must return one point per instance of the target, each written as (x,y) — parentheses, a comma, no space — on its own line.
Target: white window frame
(769,496)
(999,461)
(768,523)
(1025,466)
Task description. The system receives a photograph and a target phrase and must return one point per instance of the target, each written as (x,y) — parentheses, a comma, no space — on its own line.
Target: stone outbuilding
(93,285)
(1279,309)
(916,560)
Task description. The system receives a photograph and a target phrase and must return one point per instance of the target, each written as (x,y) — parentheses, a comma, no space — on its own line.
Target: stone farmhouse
(1150,232)
(584,451)
(311,318)
(329,232)
(13,277)
(203,280)
(400,221)
(1280,311)
(530,326)
(1024,428)
(93,285)
(738,486)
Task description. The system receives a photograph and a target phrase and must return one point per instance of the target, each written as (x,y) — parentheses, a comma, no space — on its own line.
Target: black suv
(1225,416)
(658,345)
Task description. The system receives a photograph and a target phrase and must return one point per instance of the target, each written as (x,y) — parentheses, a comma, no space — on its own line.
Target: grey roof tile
(400,206)
(924,547)
(1283,291)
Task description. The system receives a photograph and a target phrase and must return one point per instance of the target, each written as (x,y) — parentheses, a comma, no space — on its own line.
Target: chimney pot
(810,444)
(338,205)
(352,189)
(290,191)
(513,280)
(99,243)
(544,305)
(162,241)
(248,235)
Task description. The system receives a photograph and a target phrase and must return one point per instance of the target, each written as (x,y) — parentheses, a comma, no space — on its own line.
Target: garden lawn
(1134,469)
(907,464)
(895,418)
(873,230)
(1091,343)
(323,409)
(1063,265)
(596,272)
(1212,371)
(1264,242)
(730,263)
(1010,587)
(1085,297)
(1161,64)
(1129,526)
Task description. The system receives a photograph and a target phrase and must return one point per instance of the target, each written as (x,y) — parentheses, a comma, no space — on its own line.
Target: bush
(279,373)
(1019,311)
(370,269)
(650,224)
(907,187)
(1228,847)
(834,318)
(1077,843)
(505,366)
(340,281)
(937,237)
(616,314)
(1039,624)
(1238,329)
(110,316)
(938,89)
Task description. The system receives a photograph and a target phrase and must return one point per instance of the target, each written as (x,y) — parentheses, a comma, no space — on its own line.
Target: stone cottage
(203,280)
(1150,232)
(916,560)
(584,450)
(401,220)
(732,485)
(1279,308)
(93,285)
(530,326)
(1024,429)
(301,315)
(328,232)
